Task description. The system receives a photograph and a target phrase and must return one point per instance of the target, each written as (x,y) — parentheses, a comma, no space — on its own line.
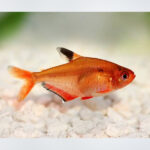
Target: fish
(81,77)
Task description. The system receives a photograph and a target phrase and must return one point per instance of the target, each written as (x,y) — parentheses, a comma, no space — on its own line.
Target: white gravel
(124,113)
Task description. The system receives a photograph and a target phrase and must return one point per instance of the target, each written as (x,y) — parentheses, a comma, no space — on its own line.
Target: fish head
(122,77)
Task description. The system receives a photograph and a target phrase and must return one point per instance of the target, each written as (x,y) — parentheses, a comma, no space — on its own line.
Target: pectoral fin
(68,54)
(64,95)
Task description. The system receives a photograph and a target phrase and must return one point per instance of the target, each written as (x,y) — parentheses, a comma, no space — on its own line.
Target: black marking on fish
(100,70)
(68,53)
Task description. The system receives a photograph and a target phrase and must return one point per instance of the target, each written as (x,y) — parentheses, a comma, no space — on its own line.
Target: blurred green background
(126,32)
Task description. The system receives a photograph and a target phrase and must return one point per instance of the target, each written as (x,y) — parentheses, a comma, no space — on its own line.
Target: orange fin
(69,55)
(64,95)
(85,98)
(27,76)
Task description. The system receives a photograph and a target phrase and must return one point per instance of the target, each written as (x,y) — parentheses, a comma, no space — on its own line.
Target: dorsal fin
(69,55)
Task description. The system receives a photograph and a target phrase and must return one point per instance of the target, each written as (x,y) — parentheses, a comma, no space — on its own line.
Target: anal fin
(61,93)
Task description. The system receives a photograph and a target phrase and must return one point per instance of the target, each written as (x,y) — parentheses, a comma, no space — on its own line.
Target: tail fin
(27,76)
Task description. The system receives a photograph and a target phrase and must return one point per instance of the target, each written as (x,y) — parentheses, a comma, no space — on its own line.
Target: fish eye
(125,75)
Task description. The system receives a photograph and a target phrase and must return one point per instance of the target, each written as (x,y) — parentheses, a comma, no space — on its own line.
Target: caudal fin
(25,75)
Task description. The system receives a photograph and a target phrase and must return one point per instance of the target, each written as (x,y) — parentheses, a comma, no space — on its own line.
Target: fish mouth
(133,76)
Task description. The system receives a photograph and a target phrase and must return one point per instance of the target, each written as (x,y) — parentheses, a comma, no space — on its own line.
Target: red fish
(82,77)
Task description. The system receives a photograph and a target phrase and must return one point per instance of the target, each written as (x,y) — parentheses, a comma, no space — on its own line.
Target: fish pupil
(125,76)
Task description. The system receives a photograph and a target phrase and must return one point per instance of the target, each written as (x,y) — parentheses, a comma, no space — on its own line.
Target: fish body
(82,77)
